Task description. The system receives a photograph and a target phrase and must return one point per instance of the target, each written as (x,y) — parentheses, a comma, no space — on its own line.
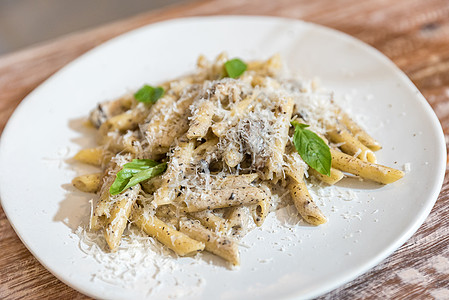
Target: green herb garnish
(134,172)
(312,148)
(149,94)
(235,67)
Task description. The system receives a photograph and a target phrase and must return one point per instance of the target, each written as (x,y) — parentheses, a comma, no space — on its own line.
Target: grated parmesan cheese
(248,134)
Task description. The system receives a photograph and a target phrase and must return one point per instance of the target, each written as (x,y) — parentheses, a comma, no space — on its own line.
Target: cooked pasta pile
(196,162)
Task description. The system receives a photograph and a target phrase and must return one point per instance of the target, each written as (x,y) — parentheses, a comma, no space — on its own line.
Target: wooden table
(413,33)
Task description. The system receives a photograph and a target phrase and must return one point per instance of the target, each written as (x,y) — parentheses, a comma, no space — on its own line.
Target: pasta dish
(200,160)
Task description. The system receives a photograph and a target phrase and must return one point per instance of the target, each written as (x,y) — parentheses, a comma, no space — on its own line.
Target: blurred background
(27,22)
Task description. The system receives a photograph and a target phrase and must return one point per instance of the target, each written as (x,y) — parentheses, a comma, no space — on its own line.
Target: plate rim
(333,284)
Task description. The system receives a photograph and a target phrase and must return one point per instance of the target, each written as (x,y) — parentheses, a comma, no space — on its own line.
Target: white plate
(299,262)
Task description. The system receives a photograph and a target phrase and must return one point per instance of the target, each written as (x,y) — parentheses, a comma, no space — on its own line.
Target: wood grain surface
(413,33)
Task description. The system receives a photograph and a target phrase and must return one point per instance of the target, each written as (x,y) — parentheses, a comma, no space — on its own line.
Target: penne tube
(235,181)
(233,156)
(261,211)
(103,208)
(206,147)
(122,104)
(120,122)
(218,245)
(166,211)
(351,145)
(162,129)
(173,239)
(238,110)
(295,166)
(258,80)
(235,216)
(97,222)
(210,220)
(109,109)
(126,121)
(202,62)
(222,198)
(119,215)
(116,142)
(89,183)
(169,214)
(176,168)
(304,203)
(358,132)
(94,156)
(270,67)
(220,128)
(335,176)
(201,120)
(284,114)
(273,64)
(217,69)
(175,88)
(262,208)
(255,65)
(366,170)
(152,185)
(241,108)
(161,105)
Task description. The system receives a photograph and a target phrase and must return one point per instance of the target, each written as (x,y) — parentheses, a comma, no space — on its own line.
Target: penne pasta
(304,203)
(295,166)
(161,130)
(94,156)
(123,122)
(235,181)
(201,120)
(89,183)
(262,208)
(209,220)
(334,177)
(116,142)
(284,114)
(233,156)
(358,132)
(181,155)
(118,216)
(235,216)
(109,109)
(219,245)
(366,170)
(351,145)
(173,239)
(222,198)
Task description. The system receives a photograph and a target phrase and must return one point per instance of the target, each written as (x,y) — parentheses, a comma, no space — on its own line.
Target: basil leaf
(312,149)
(146,174)
(235,67)
(134,172)
(149,94)
(141,164)
(120,182)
